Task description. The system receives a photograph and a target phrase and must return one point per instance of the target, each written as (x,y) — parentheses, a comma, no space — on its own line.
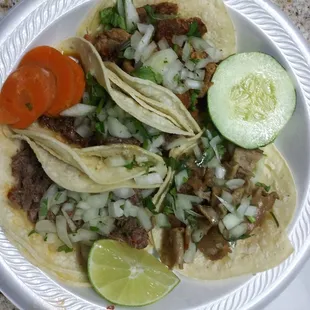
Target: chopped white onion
(78,214)
(131,15)
(190,65)
(143,28)
(251,211)
(163,44)
(90,215)
(51,238)
(149,179)
(147,192)
(214,142)
(78,110)
(117,129)
(197,235)
(84,131)
(115,208)
(230,221)
(84,196)
(193,84)
(220,172)
(45,226)
(180,178)
(130,209)
(135,39)
(187,50)
(55,209)
(227,197)
(199,44)
(190,253)
(162,220)
(159,141)
(83,205)
(184,74)
(120,8)
(175,143)
(238,231)
(116,161)
(124,193)
(144,219)
(83,235)
(61,226)
(245,203)
(68,207)
(202,63)
(69,221)
(235,183)
(129,53)
(148,51)
(197,152)
(140,159)
(74,195)
(184,204)
(205,142)
(106,226)
(227,205)
(213,163)
(47,201)
(145,41)
(214,54)
(78,121)
(191,198)
(98,201)
(103,212)
(152,131)
(179,40)
(161,59)
(169,77)
(199,75)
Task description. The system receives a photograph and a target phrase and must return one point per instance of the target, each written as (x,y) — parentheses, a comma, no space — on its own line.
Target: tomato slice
(51,59)
(79,81)
(27,93)
(6,117)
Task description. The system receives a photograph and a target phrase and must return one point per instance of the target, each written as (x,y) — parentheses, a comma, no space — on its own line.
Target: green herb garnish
(32,232)
(64,248)
(153,17)
(147,73)
(168,210)
(132,164)
(45,238)
(252,219)
(275,219)
(99,126)
(148,203)
(194,97)
(110,18)
(97,94)
(221,149)
(266,188)
(43,208)
(195,60)
(206,157)
(194,30)
(94,228)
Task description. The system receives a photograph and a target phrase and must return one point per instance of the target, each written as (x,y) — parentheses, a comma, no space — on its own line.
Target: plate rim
(268,17)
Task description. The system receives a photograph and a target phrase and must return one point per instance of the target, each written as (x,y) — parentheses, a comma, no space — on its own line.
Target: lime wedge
(127,276)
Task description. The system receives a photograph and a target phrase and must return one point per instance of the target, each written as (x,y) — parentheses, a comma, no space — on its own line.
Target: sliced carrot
(27,93)
(51,59)
(79,80)
(6,117)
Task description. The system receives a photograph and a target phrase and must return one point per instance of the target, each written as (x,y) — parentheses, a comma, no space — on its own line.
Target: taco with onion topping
(226,209)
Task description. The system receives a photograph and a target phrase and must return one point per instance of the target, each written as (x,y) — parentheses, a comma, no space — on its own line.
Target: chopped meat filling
(164,8)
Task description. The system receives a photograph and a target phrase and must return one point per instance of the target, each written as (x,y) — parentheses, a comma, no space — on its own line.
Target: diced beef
(237,195)
(109,43)
(213,245)
(185,98)
(178,26)
(137,198)
(114,140)
(31,182)
(198,55)
(247,159)
(64,126)
(127,66)
(210,70)
(129,230)
(164,8)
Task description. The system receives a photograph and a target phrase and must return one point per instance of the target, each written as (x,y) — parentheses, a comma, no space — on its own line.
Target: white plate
(260,27)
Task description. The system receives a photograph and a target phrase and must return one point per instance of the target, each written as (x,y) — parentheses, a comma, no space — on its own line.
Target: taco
(41,195)
(226,210)
(163,54)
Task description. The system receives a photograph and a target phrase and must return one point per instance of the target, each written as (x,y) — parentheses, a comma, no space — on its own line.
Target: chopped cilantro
(43,208)
(109,17)
(275,219)
(97,94)
(221,149)
(266,188)
(195,60)
(147,73)
(173,192)
(176,165)
(45,238)
(132,164)
(99,126)
(194,30)
(177,79)
(175,47)
(206,157)
(140,128)
(148,203)
(192,221)
(32,232)
(94,228)
(146,144)
(252,219)
(100,106)
(64,248)
(168,210)
(194,96)
(29,106)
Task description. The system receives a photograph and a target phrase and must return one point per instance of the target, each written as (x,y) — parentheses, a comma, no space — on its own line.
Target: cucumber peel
(252,98)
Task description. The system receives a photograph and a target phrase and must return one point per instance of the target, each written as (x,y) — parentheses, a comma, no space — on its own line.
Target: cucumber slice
(251,99)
